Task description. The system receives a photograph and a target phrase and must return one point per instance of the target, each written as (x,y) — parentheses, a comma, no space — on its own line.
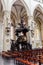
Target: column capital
(31,17)
(7,13)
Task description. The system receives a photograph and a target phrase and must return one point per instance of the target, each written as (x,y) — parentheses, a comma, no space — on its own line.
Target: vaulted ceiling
(18,11)
(38,14)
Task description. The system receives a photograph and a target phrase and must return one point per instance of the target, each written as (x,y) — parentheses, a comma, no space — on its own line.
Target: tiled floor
(9,62)
(4,61)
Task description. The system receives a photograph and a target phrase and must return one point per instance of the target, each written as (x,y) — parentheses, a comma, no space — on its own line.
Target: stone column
(7,27)
(28,33)
(12,33)
(42,33)
(31,32)
(29,23)
(7,4)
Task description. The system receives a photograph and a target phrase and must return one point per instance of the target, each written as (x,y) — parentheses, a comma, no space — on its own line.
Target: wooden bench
(25,61)
(6,55)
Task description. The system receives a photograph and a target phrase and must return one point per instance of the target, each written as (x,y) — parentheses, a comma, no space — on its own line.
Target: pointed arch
(38,19)
(38,13)
(26,6)
(20,9)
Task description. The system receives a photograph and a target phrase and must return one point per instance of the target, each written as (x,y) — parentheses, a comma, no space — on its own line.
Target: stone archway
(19,10)
(38,18)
